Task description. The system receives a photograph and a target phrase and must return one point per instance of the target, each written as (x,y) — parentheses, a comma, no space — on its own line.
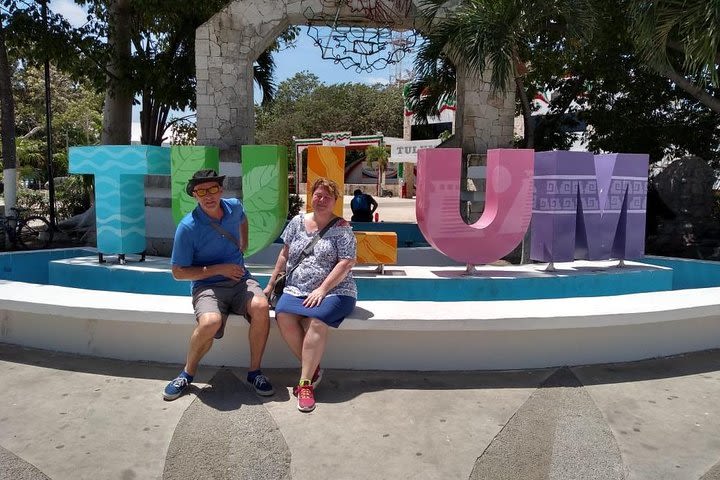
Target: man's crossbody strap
(227,235)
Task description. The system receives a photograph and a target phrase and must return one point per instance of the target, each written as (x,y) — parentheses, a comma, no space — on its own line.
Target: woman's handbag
(281,279)
(277,290)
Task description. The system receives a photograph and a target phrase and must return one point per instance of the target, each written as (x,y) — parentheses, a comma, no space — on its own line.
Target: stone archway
(228,44)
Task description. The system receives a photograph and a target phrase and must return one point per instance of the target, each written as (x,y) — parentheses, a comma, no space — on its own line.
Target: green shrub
(34,201)
(72,196)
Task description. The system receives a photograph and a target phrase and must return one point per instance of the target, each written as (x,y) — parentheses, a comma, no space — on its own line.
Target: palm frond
(688,27)
(426,93)
(263,73)
(492,34)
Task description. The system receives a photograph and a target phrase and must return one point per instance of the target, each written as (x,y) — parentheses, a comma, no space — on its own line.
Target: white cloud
(72,12)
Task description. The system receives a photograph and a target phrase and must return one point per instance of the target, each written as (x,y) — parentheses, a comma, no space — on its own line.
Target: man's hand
(230,270)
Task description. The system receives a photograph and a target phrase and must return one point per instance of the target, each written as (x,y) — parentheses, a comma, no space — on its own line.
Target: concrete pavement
(73,417)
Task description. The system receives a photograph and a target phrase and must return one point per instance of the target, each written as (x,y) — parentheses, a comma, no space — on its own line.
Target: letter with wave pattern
(265,193)
(589,207)
(120,190)
(507,205)
(328,162)
(185,161)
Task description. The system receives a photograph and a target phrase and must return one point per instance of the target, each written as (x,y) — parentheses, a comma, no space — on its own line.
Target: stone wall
(228,44)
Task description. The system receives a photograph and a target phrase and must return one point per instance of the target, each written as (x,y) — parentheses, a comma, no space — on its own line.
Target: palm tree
(680,40)
(378,155)
(496,34)
(426,93)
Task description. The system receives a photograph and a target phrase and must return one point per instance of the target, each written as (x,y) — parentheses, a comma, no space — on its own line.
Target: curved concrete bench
(405,335)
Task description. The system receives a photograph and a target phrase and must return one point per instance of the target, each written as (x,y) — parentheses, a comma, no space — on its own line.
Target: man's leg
(200,342)
(259,311)
(202,339)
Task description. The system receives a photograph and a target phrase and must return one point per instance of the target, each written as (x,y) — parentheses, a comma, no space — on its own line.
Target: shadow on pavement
(340,385)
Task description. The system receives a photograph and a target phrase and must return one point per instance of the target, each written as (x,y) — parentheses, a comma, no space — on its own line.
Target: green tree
(492,33)
(76,119)
(680,40)
(626,107)
(159,68)
(305,107)
(29,39)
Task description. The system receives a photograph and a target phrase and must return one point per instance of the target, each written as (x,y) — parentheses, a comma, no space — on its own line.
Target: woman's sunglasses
(201,192)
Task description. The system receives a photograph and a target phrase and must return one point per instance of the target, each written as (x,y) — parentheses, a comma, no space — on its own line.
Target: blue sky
(305,56)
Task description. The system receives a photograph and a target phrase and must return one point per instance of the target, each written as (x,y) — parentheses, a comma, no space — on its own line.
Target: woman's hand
(268,289)
(315,298)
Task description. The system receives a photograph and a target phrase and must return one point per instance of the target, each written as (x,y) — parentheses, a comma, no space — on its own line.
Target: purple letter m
(588,207)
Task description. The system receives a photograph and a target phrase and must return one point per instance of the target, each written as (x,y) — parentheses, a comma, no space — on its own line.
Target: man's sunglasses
(201,192)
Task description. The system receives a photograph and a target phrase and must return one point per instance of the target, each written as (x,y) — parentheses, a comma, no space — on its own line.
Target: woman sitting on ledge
(320,291)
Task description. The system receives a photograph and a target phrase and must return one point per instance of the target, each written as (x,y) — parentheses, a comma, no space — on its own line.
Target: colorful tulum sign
(582,206)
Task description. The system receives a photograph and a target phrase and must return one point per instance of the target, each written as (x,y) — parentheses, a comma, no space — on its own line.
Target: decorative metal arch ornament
(362,48)
(381,11)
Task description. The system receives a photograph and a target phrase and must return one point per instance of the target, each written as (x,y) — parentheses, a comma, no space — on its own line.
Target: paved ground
(72,417)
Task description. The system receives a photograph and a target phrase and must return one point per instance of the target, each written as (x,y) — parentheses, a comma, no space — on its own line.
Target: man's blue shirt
(197,243)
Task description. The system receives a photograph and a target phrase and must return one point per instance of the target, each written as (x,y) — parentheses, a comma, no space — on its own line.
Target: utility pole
(48,125)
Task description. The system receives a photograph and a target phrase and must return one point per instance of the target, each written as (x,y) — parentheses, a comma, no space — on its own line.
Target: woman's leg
(292,332)
(313,345)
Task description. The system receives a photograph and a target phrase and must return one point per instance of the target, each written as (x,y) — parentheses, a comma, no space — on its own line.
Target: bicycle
(29,233)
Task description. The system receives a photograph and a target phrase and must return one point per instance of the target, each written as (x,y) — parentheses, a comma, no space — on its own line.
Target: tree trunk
(529,143)
(529,139)
(153,121)
(7,135)
(699,93)
(117,110)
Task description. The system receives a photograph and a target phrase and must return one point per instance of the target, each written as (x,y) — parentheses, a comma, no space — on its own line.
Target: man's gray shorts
(224,298)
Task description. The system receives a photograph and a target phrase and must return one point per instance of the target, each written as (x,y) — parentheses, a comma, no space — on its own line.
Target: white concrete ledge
(542,314)
(379,334)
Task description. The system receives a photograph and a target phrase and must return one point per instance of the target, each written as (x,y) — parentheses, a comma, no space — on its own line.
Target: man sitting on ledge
(207,253)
